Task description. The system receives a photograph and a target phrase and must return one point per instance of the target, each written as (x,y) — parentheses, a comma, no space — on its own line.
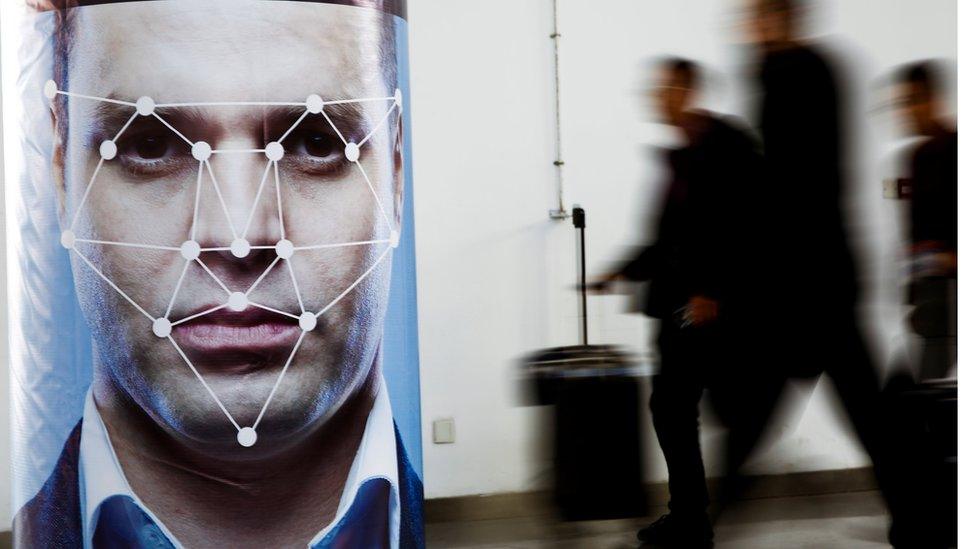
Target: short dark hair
(925,74)
(687,69)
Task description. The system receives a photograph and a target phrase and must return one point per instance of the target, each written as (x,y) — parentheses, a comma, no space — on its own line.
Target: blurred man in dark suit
(692,269)
(934,175)
(811,285)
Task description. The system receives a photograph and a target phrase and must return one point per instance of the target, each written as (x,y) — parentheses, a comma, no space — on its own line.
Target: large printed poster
(213,327)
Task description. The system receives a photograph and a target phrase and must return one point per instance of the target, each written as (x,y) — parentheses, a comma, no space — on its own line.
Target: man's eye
(317,144)
(152,153)
(150,147)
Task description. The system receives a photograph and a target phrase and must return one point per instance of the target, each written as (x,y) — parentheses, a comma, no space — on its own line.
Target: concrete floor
(842,521)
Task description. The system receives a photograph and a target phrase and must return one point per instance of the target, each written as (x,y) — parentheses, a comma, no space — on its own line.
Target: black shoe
(678,532)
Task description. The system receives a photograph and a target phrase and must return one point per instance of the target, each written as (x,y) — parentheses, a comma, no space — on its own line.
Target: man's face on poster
(231,52)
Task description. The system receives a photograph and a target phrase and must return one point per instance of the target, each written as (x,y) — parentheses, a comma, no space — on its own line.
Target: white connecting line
(239,247)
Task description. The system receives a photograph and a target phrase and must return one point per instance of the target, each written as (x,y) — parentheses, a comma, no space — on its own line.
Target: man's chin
(217,436)
(197,422)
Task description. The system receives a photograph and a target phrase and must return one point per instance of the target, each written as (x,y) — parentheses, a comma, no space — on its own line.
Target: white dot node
(68,239)
(190,250)
(162,327)
(145,105)
(201,150)
(240,248)
(237,301)
(50,89)
(395,238)
(314,104)
(247,436)
(352,151)
(108,150)
(274,151)
(307,321)
(398,97)
(285,249)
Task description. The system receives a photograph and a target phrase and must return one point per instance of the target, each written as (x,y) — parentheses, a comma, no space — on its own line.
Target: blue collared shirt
(368,515)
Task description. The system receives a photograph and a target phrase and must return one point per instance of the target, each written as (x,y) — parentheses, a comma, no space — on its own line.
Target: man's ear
(398,175)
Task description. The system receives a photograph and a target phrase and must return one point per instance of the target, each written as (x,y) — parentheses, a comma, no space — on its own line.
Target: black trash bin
(596,444)
(598,457)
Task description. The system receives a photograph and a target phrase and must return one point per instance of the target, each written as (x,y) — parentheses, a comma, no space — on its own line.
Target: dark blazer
(705,226)
(935,188)
(52,518)
(803,127)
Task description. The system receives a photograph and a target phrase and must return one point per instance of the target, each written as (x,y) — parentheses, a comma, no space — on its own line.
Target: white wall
(495,272)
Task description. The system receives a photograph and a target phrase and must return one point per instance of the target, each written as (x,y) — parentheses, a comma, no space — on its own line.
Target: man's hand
(603,283)
(938,258)
(701,310)
(947,262)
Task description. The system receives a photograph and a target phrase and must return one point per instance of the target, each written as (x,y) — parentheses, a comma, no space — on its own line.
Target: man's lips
(226,340)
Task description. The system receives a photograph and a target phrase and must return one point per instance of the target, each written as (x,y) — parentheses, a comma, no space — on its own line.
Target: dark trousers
(687,357)
(816,344)
(932,319)
(745,363)
(830,344)
(743,390)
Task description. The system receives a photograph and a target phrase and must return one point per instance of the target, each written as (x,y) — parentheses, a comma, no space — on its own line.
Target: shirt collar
(101,476)
(375,459)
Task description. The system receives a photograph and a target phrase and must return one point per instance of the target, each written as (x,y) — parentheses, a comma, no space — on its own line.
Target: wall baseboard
(539,503)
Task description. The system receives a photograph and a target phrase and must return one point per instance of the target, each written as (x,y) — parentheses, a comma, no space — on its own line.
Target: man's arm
(641,266)
(637,269)
(721,230)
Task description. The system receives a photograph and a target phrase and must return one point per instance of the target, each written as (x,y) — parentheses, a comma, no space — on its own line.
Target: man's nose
(237,215)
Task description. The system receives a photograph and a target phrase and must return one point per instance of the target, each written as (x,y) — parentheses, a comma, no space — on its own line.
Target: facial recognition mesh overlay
(213,232)
(191,251)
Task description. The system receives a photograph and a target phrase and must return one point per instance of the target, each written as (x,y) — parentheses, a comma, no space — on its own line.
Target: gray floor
(843,521)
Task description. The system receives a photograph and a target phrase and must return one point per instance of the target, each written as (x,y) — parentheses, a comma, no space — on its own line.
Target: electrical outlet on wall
(899,189)
(444,431)
(889,188)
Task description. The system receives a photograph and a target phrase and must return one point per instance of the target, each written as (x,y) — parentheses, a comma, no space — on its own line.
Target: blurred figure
(811,323)
(804,138)
(934,182)
(691,269)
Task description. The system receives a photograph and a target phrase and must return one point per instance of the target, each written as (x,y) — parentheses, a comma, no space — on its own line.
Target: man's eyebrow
(111,118)
(349,118)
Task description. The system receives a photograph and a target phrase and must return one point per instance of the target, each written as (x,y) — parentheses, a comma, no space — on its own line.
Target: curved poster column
(212,275)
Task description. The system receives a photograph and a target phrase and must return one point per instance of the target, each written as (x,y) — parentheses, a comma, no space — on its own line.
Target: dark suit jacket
(935,182)
(52,519)
(802,124)
(704,229)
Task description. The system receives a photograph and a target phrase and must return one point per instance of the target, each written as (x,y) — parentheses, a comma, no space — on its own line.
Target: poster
(212,311)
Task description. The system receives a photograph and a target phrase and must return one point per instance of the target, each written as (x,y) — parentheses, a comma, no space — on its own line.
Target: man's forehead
(196,51)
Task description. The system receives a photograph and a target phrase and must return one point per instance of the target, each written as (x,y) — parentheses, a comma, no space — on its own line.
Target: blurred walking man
(691,269)
(813,288)
(934,176)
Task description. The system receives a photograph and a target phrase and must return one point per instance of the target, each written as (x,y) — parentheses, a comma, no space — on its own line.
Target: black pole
(579,221)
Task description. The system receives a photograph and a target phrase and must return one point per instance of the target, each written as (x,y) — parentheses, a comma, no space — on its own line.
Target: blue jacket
(52,518)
